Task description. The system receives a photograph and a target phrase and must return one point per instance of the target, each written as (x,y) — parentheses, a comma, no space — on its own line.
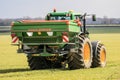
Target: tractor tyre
(82,57)
(99,55)
(56,65)
(36,63)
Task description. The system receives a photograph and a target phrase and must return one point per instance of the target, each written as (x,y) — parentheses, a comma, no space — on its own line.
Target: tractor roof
(63,13)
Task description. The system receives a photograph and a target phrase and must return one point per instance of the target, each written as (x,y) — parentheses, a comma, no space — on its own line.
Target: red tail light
(64,33)
(13,35)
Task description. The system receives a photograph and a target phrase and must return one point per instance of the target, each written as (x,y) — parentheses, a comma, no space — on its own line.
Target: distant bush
(105,20)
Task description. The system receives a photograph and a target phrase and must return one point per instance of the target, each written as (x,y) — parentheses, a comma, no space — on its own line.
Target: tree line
(7,22)
(104,20)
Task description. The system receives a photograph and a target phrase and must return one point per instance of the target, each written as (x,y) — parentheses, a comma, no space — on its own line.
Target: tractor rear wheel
(82,58)
(36,63)
(99,58)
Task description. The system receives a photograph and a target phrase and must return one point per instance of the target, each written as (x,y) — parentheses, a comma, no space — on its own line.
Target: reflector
(50,33)
(29,33)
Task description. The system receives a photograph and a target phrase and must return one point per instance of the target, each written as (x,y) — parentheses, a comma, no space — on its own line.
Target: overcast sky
(39,8)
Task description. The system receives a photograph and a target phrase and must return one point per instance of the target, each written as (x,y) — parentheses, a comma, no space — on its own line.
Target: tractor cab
(70,15)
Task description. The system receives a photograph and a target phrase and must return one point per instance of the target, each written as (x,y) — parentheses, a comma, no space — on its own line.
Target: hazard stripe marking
(65,39)
(15,39)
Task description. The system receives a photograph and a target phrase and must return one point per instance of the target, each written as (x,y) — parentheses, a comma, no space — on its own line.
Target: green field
(104,29)
(13,66)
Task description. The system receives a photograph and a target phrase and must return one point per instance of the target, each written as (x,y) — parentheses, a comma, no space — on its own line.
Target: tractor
(59,41)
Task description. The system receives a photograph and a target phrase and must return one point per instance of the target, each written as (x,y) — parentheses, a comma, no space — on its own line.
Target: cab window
(77,17)
(60,18)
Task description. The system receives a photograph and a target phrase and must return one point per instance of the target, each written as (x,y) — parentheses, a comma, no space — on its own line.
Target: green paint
(41,27)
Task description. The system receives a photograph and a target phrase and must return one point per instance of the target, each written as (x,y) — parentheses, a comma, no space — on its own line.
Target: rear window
(60,18)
